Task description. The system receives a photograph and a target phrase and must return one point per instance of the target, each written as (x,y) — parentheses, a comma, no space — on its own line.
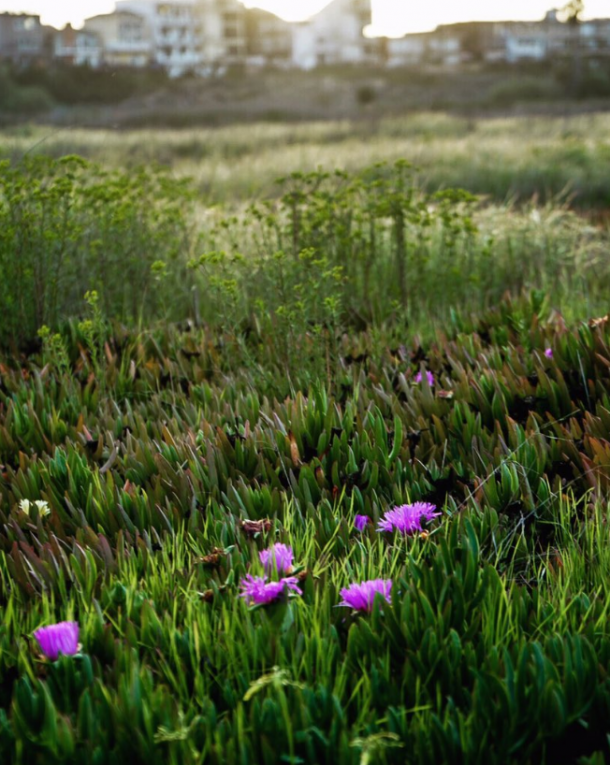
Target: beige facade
(222,25)
(268,39)
(125,38)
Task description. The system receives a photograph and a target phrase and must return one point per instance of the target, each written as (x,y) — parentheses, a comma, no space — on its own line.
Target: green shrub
(19,100)
(68,84)
(67,227)
(526,88)
(594,84)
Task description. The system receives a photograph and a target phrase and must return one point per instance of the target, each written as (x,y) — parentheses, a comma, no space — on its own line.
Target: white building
(409,50)
(526,45)
(595,36)
(334,36)
(77,47)
(202,36)
(445,49)
(502,41)
(441,47)
(175,32)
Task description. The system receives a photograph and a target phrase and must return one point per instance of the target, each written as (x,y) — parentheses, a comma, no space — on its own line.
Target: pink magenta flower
(279,557)
(361,596)
(549,353)
(429,377)
(258,591)
(361,522)
(58,638)
(407,518)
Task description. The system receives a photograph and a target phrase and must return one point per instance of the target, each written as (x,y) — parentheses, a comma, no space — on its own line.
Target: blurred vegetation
(67,226)
(519,89)
(150,99)
(16,98)
(333,250)
(68,84)
(555,160)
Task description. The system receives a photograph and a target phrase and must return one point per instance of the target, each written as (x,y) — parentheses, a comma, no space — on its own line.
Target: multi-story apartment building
(442,48)
(336,35)
(77,47)
(268,39)
(222,25)
(174,32)
(125,38)
(23,39)
(200,36)
(595,37)
(209,36)
(502,41)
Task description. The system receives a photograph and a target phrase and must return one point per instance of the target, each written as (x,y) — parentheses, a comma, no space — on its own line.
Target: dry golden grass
(522,157)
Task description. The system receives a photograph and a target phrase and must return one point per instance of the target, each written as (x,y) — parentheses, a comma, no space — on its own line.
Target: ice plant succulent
(361,522)
(257,591)
(548,353)
(43,507)
(279,557)
(407,519)
(361,596)
(58,638)
(429,377)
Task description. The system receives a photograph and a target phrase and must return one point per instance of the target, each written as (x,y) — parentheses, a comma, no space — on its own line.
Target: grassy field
(194,373)
(507,158)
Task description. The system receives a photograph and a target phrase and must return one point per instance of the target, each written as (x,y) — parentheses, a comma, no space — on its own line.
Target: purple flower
(407,518)
(361,596)
(429,376)
(279,557)
(58,638)
(361,522)
(549,353)
(258,591)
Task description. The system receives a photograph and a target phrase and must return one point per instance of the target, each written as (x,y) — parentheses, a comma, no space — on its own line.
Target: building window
(25,24)
(130,32)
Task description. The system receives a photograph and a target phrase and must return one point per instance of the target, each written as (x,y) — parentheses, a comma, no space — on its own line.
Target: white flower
(43,507)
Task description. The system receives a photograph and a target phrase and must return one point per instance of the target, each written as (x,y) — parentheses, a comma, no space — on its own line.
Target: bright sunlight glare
(390,17)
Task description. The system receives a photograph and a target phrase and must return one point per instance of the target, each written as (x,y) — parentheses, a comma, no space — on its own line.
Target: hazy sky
(391,17)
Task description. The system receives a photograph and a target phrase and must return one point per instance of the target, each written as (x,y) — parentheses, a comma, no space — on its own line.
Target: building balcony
(120,46)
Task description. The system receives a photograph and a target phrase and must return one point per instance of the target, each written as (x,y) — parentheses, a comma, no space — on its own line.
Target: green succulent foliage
(170,457)
(494,646)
